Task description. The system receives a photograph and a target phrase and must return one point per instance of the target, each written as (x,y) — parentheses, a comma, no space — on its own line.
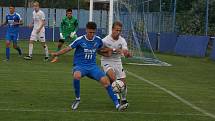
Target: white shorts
(116,66)
(40,36)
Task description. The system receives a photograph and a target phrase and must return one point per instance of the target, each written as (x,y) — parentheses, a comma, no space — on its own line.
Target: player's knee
(77,75)
(105,81)
(7,44)
(111,75)
(112,78)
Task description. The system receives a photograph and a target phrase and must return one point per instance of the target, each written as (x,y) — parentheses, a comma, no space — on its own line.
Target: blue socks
(8,53)
(76,85)
(112,95)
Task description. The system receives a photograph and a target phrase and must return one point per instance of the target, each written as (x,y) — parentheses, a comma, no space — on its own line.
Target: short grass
(42,91)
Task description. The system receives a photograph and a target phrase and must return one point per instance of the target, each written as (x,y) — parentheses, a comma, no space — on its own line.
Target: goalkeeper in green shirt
(68,28)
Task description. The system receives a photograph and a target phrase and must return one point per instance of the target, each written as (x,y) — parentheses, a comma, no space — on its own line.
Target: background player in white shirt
(38,32)
(115,47)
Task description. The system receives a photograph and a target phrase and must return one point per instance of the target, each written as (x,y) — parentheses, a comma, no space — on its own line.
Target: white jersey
(38,18)
(109,42)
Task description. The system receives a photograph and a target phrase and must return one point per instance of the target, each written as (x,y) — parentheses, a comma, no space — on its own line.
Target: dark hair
(117,23)
(11,5)
(69,10)
(91,25)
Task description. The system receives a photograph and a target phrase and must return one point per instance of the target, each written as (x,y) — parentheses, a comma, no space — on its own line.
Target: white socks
(46,51)
(31,46)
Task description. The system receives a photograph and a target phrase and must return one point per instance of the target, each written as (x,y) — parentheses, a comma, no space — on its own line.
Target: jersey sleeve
(62,25)
(104,42)
(19,17)
(75,43)
(100,44)
(43,17)
(124,44)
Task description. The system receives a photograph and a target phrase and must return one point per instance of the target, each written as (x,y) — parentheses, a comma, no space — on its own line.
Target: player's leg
(7,49)
(100,76)
(108,69)
(15,44)
(76,86)
(31,45)
(30,50)
(59,46)
(111,74)
(106,83)
(78,73)
(124,93)
(41,37)
(45,46)
(7,43)
(120,74)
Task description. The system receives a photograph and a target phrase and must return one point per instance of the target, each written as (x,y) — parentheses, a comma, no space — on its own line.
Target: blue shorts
(93,72)
(12,37)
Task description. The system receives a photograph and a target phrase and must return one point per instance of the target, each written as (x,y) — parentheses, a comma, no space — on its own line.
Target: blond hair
(36,2)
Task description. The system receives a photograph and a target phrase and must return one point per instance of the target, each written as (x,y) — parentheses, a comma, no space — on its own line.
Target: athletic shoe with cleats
(6,60)
(46,59)
(122,107)
(28,57)
(20,53)
(124,102)
(75,104)
(54,60)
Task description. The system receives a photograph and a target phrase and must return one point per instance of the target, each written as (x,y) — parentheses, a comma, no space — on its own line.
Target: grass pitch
(42,91)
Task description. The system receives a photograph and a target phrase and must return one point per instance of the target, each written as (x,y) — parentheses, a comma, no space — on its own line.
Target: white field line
(174,95)
(99,112)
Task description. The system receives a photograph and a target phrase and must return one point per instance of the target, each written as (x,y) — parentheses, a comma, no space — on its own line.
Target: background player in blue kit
(86,47)
(13,20)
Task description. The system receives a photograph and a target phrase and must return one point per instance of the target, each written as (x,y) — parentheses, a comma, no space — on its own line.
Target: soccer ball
(118,86)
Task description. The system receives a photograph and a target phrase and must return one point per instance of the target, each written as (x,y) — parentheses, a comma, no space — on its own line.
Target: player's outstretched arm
(61,52)
(126,53)
(31,24)
(105,51)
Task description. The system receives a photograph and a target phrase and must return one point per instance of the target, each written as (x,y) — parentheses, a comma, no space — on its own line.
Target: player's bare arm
(61,52)
(31,24)
(41,26)
(105,51)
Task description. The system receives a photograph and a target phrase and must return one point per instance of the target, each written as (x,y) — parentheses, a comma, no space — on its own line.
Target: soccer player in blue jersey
(86,47)
(13,20)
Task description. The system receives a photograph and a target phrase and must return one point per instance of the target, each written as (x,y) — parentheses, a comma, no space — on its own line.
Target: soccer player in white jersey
(38,32)
(111,63)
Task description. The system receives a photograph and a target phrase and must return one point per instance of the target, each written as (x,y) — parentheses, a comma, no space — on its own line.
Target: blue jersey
(85,50)
(10,19)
